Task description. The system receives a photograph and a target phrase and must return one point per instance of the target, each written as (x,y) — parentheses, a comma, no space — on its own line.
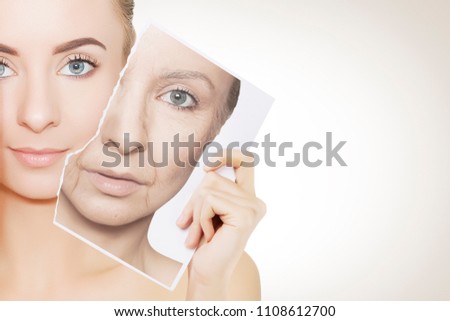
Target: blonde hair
(125,9)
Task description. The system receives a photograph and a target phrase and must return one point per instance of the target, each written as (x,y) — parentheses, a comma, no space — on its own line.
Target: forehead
(158,53)
(45,23)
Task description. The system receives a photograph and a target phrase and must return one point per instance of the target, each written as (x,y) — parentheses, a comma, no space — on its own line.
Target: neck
(126,242)
(34,253)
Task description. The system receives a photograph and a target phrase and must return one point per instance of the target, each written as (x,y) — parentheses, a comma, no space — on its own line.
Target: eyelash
(4,62)
(77,58)
(83,58)
(188,92)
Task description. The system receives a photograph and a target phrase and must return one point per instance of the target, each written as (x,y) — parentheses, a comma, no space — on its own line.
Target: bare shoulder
(129,285)
(245,282)
(244,285)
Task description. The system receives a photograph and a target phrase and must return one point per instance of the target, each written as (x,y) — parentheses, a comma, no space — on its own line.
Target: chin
(34,188)
(105,210)
(32,183)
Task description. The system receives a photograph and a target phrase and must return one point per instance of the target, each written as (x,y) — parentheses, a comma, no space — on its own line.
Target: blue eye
(79,65)
(179,98)
(76,68)
(5,71)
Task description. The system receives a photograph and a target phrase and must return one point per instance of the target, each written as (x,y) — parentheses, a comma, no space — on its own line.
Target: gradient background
(377,75)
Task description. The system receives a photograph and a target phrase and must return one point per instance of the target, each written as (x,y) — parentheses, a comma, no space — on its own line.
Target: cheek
(180,155)
(71,174)
(2,163)
(186,131)
(82,105)
(12,95)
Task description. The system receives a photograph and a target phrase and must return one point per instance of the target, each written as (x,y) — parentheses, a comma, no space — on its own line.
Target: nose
(124,125)
(38,112)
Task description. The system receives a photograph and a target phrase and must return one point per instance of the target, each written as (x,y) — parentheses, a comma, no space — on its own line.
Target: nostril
(36,124)
(111,143)
(37,113)
(130,146)
(137,148)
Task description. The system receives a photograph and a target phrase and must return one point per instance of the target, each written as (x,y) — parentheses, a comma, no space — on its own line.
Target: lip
(114,184)
(38,158)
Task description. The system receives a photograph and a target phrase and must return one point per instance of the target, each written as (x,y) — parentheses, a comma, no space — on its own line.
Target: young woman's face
(167,90)
(59,61)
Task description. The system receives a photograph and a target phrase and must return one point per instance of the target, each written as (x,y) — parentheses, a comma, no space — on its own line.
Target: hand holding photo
(132,174)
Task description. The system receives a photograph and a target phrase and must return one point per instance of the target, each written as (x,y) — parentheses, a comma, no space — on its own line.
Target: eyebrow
(189,74)
(8,50)
(73,44)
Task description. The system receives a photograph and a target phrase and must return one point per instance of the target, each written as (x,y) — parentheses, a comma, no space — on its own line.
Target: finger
(243,165)
(230,157)
(198,210)
(240,213)
(206,220)
(194,236)
(242,210)
(215,181)
(195,230)
(185,218)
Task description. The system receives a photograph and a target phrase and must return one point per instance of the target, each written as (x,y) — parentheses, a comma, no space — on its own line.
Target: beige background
(376,74)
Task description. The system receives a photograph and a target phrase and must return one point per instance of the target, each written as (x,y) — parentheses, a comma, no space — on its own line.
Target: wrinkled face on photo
(167,90)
